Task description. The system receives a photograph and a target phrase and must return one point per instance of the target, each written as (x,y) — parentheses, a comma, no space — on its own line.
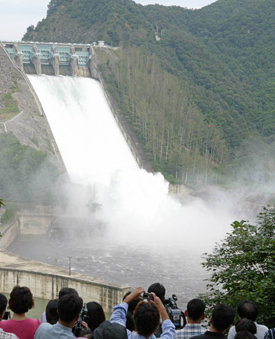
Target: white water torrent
(136,208)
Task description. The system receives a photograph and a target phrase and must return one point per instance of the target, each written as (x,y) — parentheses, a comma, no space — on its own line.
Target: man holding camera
(3,306)
(147,316)
(175,314)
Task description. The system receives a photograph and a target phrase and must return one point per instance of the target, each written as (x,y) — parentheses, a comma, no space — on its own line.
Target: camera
(78,327)
(175,314)
(147,296)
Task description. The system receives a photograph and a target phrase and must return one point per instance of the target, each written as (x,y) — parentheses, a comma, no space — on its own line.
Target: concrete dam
(138,218)
(53,58)
(70,59)
(17,60)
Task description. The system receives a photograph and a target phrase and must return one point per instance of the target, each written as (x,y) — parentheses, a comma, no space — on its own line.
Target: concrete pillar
(55,63)
(36,60)
(74,64)
(92,64)
(37,63)
(19,58)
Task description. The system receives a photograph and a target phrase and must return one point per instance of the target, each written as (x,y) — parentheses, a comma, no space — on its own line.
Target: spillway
(135,204)
(83,125)
(145,228)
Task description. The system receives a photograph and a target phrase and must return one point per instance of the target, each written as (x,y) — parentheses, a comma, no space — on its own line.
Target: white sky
(17,15)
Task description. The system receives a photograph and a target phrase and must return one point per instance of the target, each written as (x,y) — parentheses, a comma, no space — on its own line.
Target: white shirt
(261,330)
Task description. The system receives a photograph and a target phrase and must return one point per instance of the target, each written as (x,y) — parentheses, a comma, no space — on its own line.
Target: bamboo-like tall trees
(157,105)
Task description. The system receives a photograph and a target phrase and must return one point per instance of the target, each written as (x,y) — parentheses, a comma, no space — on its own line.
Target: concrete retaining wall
(45,280)
(9,233)
(34,224)
(47,286)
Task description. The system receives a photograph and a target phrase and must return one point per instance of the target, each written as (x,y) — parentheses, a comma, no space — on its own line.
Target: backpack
(108,330)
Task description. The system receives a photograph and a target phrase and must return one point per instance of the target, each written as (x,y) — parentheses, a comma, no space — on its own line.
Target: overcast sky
(17,15)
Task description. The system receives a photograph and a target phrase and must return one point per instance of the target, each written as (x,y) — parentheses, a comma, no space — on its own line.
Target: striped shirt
(6,335)
(190,330)
(270,334)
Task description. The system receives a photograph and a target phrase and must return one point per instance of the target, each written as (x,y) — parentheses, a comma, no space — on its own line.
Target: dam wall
(71,60)
(53,58)
(9,234)
(46,286)
(27,221)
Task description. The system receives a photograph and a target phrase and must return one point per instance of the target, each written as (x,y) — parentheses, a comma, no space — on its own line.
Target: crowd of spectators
(140,315)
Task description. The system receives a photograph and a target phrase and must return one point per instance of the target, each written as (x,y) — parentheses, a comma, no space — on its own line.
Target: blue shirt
(119,316)
(48,331)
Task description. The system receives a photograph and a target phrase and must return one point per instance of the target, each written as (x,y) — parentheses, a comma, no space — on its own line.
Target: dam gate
(53,58)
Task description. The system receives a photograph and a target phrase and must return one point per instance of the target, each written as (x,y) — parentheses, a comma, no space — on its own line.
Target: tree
(243,266)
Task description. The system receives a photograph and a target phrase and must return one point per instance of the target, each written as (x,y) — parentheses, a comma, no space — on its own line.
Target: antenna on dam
(70,266)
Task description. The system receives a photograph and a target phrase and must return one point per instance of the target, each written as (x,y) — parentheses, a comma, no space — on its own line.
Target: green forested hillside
(194,85)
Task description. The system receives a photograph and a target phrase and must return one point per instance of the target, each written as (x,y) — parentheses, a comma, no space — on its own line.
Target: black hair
(21,300)
(158,289)
(69,307)
(51,312)
(244,335)
(133,303)
(146,318)
(86,334)
(3,303)
(247,309)
(130,325)
(66,290)
(245,324)
(222,317)
(95,315)
(195,309)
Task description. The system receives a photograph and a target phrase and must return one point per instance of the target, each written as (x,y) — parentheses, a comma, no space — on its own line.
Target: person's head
(158,289)
(244,335)
(195,310)
(108,330)
(21,300)
(222,317)
(95,315)
(247,309)
(3,305)
(146,318)
(66,290)
(51,311)
(69,307)
(245,324)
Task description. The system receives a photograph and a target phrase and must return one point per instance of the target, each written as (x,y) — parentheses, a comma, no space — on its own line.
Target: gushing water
(135,204)
(136,208)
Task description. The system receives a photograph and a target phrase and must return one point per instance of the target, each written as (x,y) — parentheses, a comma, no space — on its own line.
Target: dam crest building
(54,58)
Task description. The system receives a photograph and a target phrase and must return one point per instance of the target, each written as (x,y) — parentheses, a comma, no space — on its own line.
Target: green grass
(11,107)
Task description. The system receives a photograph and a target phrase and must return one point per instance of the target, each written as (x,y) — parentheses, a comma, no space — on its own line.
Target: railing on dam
(53,58)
